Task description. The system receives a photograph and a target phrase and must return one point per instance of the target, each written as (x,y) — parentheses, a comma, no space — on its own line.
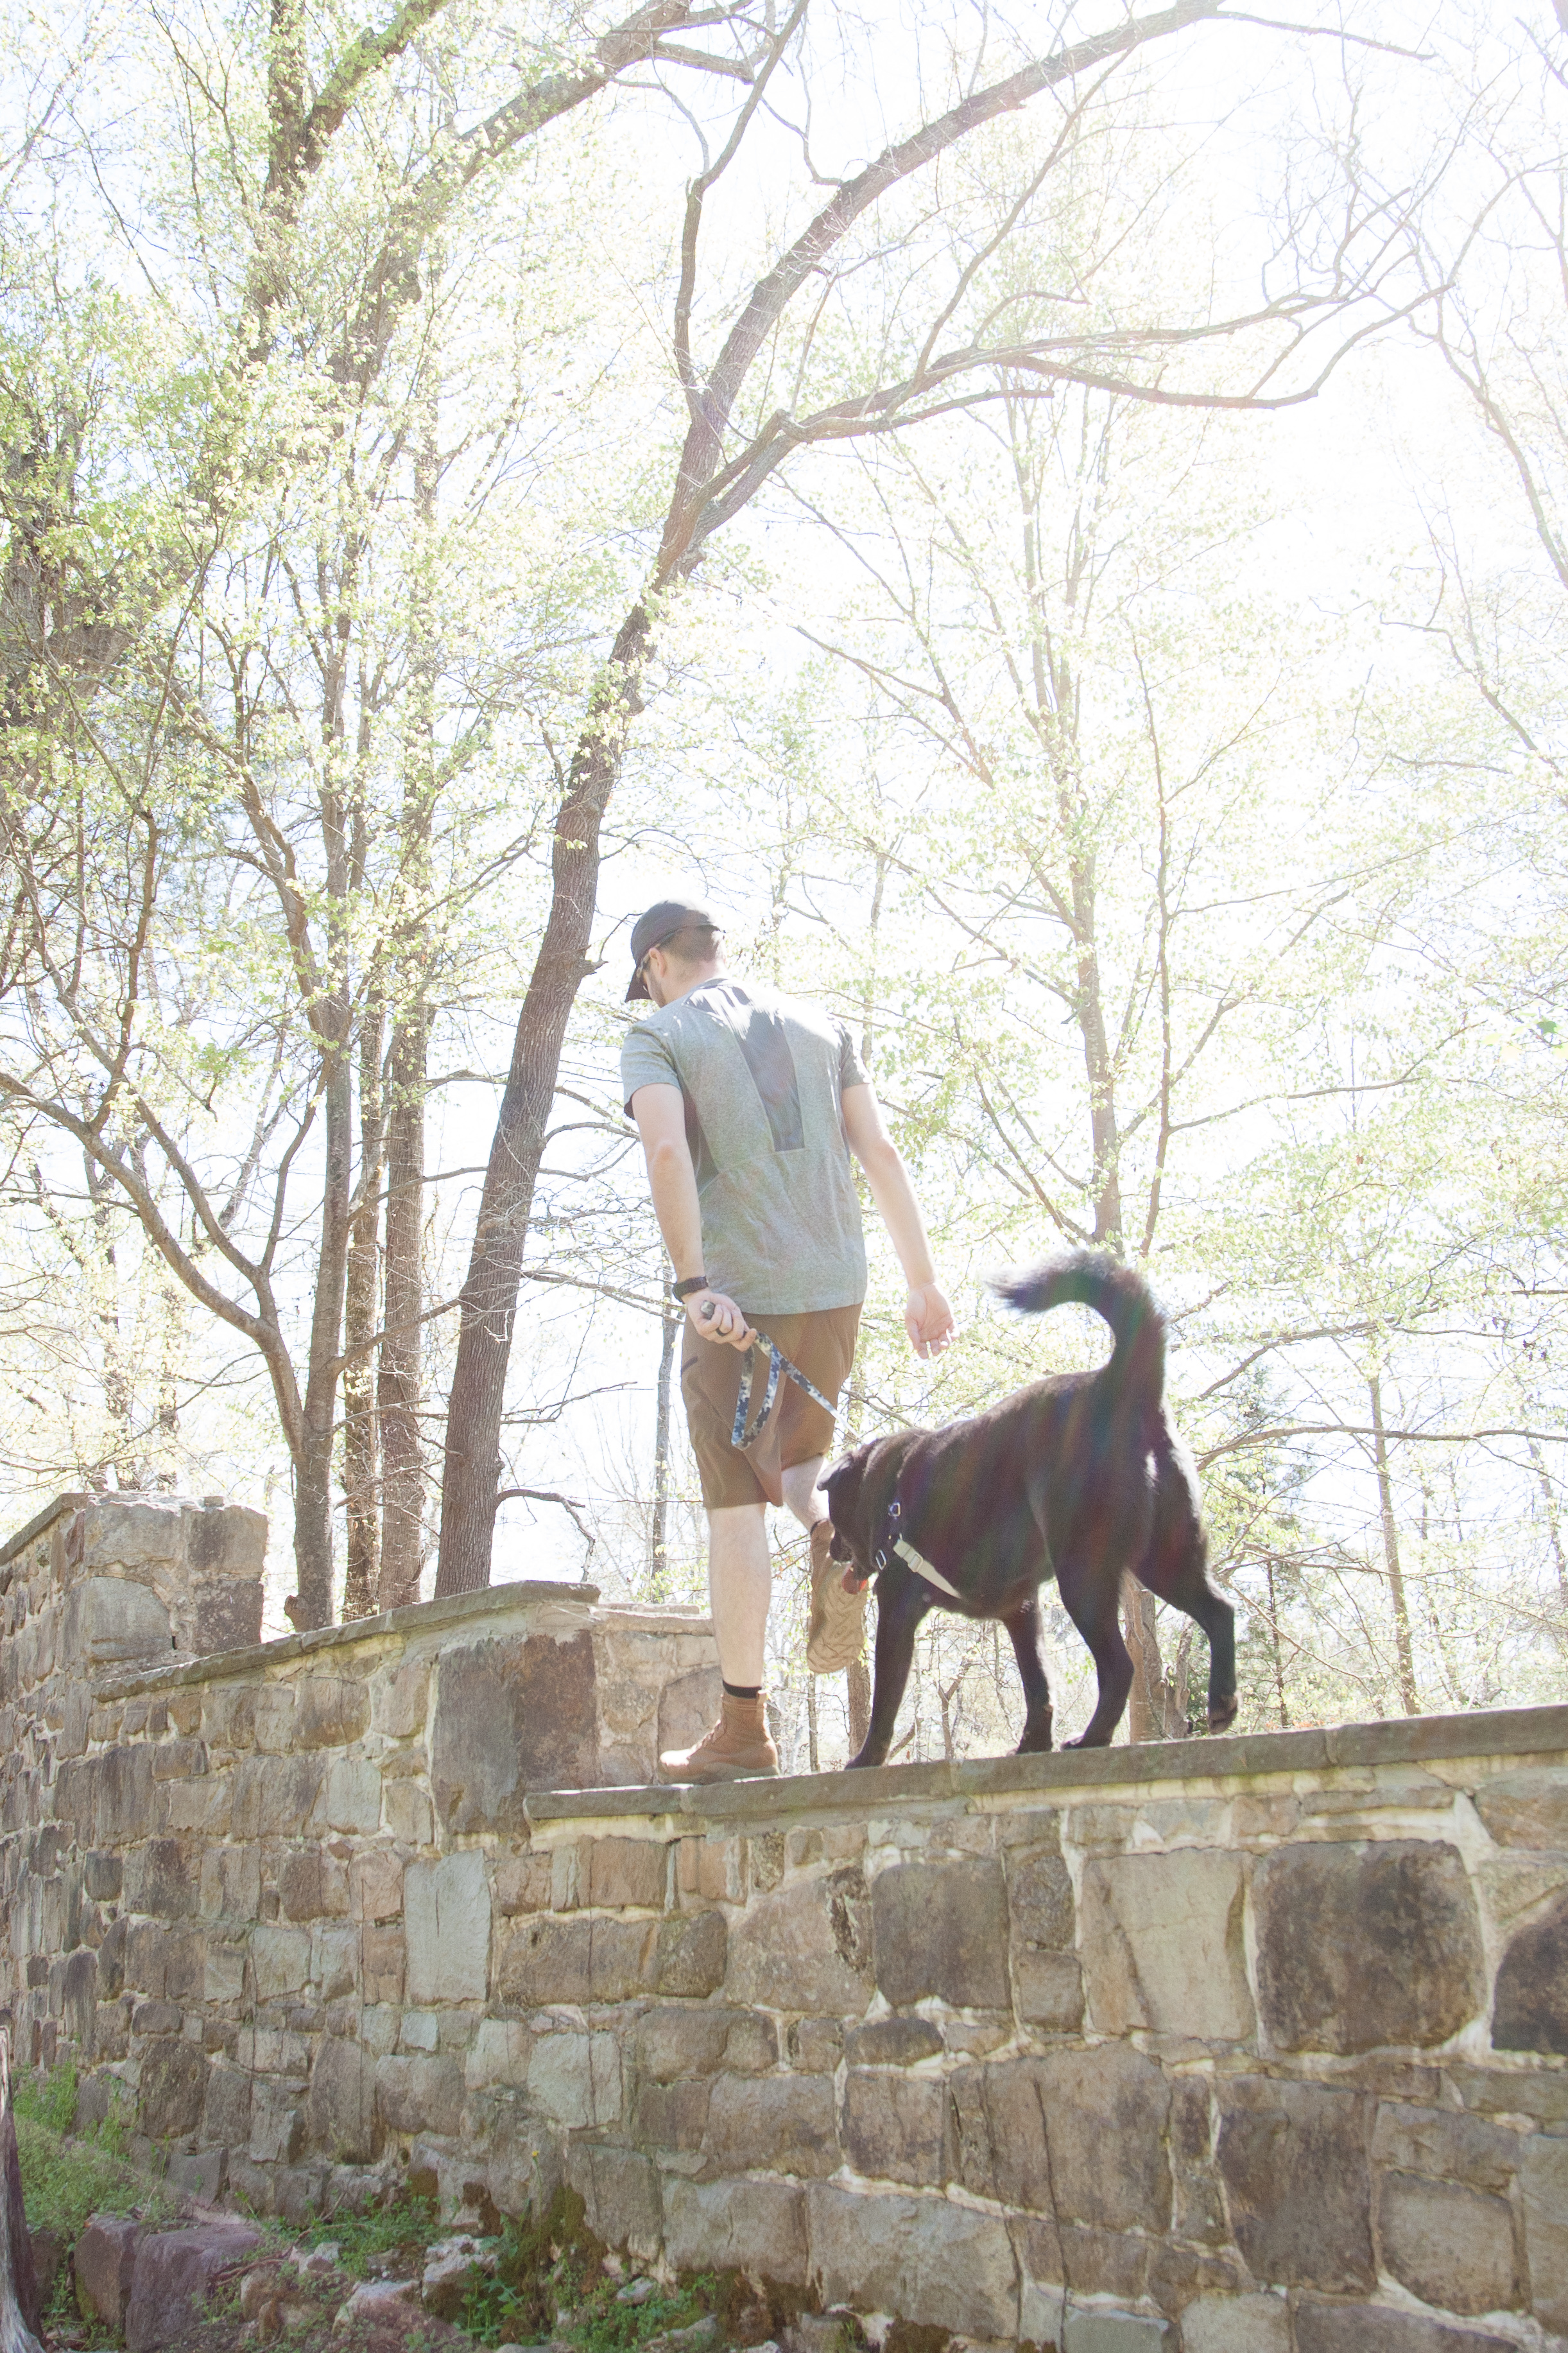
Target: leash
(892,1545)
(779,1366)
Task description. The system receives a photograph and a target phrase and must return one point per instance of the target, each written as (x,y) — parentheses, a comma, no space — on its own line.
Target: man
(748,1105)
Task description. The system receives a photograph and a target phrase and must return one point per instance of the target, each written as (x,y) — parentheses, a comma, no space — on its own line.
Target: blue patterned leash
(741,1436)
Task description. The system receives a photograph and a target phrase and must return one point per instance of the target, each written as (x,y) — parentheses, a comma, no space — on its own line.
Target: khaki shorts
(822,1343)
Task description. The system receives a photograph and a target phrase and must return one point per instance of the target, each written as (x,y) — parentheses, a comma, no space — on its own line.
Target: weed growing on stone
(65,2179)
(390,2238)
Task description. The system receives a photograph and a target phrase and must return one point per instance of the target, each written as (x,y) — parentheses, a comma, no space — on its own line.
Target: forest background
(1050,520)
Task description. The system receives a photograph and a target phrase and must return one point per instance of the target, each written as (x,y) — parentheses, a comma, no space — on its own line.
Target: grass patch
(66,2178)
(400,2229)
(550,2280)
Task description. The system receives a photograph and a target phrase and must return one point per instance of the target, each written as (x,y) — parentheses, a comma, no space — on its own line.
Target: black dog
(1082,1475)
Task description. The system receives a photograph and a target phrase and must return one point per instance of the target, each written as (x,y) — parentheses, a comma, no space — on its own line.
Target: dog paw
(1035,1743)
(1222,1717)
(864,1763)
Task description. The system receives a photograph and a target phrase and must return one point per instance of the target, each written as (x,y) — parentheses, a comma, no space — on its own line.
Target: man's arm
(660,1114)
(928,1318)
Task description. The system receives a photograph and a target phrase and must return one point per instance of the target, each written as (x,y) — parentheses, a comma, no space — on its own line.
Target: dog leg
(1025,1632)
(1091,1601)
(902,1601)
(1189,1589)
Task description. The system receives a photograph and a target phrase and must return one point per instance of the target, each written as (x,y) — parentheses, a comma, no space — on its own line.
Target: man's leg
(740,1588)
(802,1494)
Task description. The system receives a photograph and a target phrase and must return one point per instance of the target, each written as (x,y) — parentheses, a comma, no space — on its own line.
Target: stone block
(401,1701)
(1450,2247)
(123,1795)
(335,1962)
(892,2042)
(226,1540)
(227,1615)
(1047,1988)
(510,1717)
(311,1881)
(756,2226)
(382,1961)
(1528,1809)
(274,1796)
(1236,2324)
(674,2043)
(171,2090)
(231,1882)
(674,2115)
(162,1878)
(807,1947)
(895,2127)
(330,1711)
(938,2265)
(1293,2159)
(1530,2007)
(101,1876)
(545,1961)
(1446,2146)
(1040,1897)
(105,2260)
(713,1869)
(522,1883)
(627,1873)
(350,1797)
(1077,2134)
(280,1960)
(410,1818)
(226,2109)
(941,1928)
(340,2110)
(687,1704)
(1160,1937)
(376,1886)
(126,1532)
(200,2177)
(109,1622)
(1375,2328)
(772,2124)
(575,2078)
(277,2123)
(498,2055)
(1090,2330)
(619,2191)
(1544,2182)
(1360,1946)
(420,2095)
(175,2271)
(447,1912)
(623,1959)
(691,1953)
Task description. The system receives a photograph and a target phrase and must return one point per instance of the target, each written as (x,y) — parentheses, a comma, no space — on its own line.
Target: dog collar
(892,1542)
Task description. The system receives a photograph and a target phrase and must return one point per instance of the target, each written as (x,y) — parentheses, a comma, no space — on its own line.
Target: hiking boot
(837,1634)
(739,1745)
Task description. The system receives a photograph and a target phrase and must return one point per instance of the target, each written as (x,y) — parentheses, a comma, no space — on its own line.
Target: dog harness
(779,1365)
(893,1543)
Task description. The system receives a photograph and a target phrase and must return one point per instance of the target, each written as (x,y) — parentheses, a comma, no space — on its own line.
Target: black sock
(742,1691)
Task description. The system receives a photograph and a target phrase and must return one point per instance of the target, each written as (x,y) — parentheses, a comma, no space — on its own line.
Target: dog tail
(1118,1293)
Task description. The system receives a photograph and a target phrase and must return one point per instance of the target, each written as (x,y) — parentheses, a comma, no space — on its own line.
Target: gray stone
(1374,2328)
(200,2178)
(1293,2159)
(418,2094)
(1530,2009)
(628,1872)
(330,1711)
(620,2189)
(109,1622)
(775,2124)
(807,1947)
(1089,2331)
(279,1961)
(341,2111)
(105,2260)
(511,1717)
(273,1796)
(1450,2247)
(575,2078)
(1047,1988)
(227,1541)
(1077,2134)
(350,1797)
(1363,1946)
(1236,2324)
(686,1706)
(446,1911)
(227,1615)
(895,2127)
(1543,2181)
(691,1953)
(673,2116)
(1446,2146)
(101,1876)
(175,2271)
(941,1928)
(892,2042)
(756,2226)
(938,2265)
(172,2088)
(544,1960)
(1161,1936)
(225,2108)
(277,2125)
(1527,1809)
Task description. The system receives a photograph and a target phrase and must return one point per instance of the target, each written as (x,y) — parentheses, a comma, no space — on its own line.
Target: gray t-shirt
(763,1077)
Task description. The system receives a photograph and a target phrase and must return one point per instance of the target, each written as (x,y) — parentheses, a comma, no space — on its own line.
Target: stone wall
(1224,2046)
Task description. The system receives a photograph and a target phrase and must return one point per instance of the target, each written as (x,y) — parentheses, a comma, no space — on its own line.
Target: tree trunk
(361,1573)
(659,1548)
(1403,1652)
(1155,1709)
(311,1604)
(857,1697)
(488,1305)
(400,1388)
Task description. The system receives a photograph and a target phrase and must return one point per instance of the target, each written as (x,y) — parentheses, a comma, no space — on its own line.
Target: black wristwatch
(692,1283)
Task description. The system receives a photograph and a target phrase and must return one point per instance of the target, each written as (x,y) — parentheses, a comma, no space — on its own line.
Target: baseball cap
(657,928)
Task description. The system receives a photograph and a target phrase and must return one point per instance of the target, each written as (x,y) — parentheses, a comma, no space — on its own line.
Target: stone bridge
(1221,2046)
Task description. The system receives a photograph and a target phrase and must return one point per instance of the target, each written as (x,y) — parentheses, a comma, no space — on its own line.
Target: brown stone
(691,1953)
(1293,2158)
(105,2260)
(816,2045)
(1375,2328)
(1086,2261)
(176,2272)
(544,1960)
(273,1796)
(510,1717)
(522,1883)
(935,2265)
(341,2111)
(1198,2205)
(330,1711)
(1528,1809)
(1450,2247)
(1530,2009)
(420,2094)
(226,2110)
(619,2191)
(772,2124)
(1362,1945)
(1077,2133)
(758,2227)
(766,1855)
(1047,1988)
(1161,1936)
(941,1928)
(713,1869)
(382,1956)
(674,2115)
(893,2043)
(628,1872)
(227,1614)
(1445,2146)
(674,2043)
(1544,2182)
(172,2088)
(1039,1897)
(895,2127)
(807,1947)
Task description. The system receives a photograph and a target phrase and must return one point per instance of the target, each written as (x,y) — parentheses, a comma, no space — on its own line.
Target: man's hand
(928,1319)
(718,1318)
